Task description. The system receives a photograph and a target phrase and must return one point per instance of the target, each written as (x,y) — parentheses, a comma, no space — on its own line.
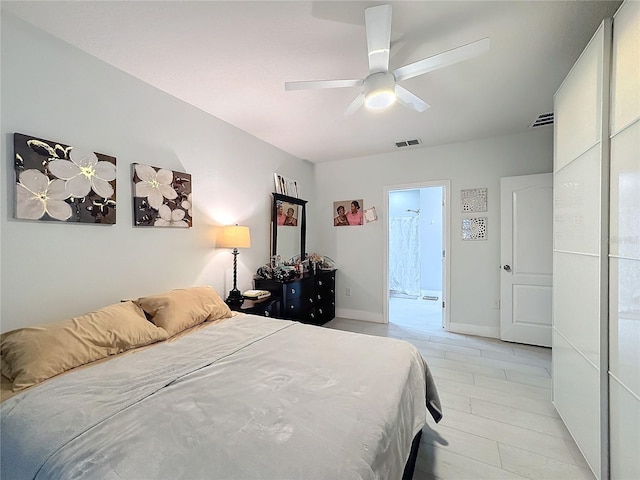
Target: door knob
(507,268)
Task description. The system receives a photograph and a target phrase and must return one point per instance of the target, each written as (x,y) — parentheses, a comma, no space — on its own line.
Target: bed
(229,396)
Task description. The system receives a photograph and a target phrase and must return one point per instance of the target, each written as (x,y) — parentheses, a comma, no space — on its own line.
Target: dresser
(307,298)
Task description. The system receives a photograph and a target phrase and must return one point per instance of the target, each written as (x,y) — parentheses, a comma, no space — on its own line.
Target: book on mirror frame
(256,294)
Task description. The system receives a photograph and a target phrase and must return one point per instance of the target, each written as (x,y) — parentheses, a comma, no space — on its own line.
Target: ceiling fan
(380,89)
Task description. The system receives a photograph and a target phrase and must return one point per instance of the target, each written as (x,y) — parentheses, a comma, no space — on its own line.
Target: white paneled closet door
(596,342)
(579,255)
(624,251)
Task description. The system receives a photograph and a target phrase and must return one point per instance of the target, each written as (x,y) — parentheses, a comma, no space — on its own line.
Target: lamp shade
(234,236)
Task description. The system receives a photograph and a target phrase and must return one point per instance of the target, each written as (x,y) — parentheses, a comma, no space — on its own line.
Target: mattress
(246,398)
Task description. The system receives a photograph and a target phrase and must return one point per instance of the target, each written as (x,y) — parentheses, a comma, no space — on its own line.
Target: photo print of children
(287,214)
(347,213)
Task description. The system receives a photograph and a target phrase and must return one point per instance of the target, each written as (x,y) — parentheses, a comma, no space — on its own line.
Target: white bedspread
(247,398)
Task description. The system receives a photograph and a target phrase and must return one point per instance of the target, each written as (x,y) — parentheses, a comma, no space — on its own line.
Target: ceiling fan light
(380,99)
(379,91)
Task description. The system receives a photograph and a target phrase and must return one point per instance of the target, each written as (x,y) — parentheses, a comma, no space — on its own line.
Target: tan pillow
(180,309)
(33,354)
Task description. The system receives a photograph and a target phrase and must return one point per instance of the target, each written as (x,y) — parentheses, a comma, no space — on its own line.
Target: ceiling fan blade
(316,84)
(378,25)
(353,106)
(408,99)
(442,60)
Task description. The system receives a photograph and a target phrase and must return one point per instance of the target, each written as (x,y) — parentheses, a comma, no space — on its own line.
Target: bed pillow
(33,354)
(180,309)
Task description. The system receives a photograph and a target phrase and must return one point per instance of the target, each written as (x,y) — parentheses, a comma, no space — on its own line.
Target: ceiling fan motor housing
(379,90)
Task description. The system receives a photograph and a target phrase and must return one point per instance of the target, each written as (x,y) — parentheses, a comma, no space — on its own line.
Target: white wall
(431,235)
(474,265)
(53,270)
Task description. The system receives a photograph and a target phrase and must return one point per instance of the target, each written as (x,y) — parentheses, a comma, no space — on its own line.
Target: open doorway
(416,261)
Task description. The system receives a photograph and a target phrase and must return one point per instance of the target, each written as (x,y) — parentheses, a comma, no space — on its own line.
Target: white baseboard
(359,315)
(470,329)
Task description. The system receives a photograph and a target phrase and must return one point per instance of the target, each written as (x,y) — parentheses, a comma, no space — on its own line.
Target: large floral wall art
(63,183)
(161,197)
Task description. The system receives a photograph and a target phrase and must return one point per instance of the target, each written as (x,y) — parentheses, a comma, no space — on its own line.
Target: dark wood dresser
(307,298)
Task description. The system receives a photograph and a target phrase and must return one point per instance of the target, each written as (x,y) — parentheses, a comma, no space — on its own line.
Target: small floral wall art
(58,182)
(161,197)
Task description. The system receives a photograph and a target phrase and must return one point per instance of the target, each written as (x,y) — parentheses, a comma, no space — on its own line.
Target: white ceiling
(231,59)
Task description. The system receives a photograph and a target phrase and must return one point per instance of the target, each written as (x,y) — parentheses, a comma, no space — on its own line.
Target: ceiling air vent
(542,120)
(408,143)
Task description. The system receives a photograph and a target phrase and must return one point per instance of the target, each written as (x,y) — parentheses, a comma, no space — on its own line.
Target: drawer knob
(293,290)
(266,313)
(320,282)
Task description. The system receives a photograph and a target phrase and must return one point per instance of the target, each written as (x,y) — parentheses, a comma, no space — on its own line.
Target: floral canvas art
(161,197)
(58,182)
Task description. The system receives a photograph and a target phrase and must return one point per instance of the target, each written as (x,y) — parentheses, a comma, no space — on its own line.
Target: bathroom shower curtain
(404,256)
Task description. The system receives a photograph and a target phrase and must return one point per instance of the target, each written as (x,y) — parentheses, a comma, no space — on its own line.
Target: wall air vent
(542,120)
(408,143)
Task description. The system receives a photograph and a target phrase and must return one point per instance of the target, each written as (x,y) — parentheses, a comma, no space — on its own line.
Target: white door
(527,258)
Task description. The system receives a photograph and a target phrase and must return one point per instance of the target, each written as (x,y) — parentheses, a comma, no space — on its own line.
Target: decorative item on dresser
(307,298)
(235,236)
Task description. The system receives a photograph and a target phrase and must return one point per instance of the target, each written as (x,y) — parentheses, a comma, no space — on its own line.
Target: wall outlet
(348,292)
(496,304)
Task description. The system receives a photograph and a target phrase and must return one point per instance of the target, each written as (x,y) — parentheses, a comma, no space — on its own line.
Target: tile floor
(498,422)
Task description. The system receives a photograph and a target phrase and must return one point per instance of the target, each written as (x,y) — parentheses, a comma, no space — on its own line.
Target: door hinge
(442,304)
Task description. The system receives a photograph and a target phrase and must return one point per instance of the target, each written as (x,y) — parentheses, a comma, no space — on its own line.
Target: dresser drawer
(325,284)
(297,307)
(292,290)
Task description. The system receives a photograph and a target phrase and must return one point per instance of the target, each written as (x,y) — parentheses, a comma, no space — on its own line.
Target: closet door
(624,266)
(579,252)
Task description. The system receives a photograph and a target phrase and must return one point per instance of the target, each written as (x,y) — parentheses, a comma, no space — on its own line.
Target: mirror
(289,227)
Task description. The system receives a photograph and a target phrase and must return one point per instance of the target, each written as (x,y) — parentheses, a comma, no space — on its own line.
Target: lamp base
(235,298)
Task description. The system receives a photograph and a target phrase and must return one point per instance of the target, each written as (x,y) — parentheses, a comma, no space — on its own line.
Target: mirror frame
(278,197)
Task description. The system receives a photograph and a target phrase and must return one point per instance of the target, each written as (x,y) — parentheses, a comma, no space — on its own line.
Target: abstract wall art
(161,197)
(474,228)
(58,182)
(474,200)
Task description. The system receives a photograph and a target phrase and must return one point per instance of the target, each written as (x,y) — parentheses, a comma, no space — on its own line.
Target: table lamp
(234,236)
